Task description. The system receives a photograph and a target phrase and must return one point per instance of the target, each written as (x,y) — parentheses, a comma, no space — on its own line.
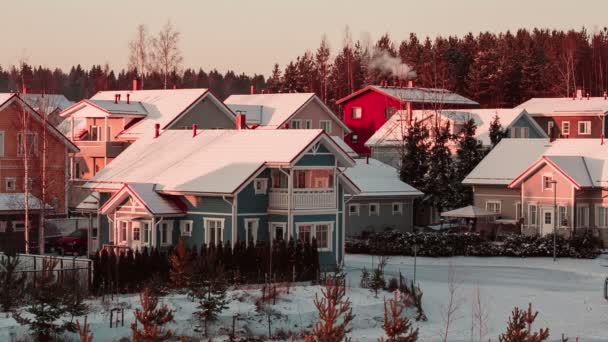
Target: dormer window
(260,185)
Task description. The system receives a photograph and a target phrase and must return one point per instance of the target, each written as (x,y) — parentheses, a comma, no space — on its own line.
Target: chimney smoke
(391,66)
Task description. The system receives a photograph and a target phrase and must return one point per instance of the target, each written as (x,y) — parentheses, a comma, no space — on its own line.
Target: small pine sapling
(365,281)
(412,297)
(151,318)
(210,292)
(377,282)
(519,327)
(335,314)
(11,283)
(73,299)
(397,326)
(180,261)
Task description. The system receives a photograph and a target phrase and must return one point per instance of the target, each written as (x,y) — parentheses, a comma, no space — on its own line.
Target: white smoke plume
(391,66)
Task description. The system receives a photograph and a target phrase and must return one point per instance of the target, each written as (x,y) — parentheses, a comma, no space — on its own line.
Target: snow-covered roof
(52,101)
(4,97)
(120,108)
(376,179)
(16,202)
(213,162)
(271,111)
(585,161)
(146,194)
(416,95)
(469,212)
(343,145)
(565,105)
(391,133)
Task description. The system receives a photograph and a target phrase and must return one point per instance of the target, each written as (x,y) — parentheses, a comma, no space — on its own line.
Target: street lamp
(415,248)
(555,218)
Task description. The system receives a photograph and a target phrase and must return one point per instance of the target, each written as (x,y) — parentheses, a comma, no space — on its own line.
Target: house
(24,135)
(287,110)
(570,117)
(387,143)
(366,110)
(50,104)
(524,179)
(214,186)
(106,124)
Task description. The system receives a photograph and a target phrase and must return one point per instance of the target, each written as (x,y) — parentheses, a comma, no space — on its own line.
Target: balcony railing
(100,148)
(302,199)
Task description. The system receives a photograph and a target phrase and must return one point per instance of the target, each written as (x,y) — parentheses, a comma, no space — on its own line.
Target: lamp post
(555,218)
(415,248)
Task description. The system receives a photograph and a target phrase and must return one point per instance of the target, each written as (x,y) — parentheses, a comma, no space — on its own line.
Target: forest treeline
(495,69)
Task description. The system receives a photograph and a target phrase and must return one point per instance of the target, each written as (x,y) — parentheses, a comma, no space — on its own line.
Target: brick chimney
(194,128)
(128,98)
(115,98)
(241,121)
(156,130)
(135,85)
(252,89)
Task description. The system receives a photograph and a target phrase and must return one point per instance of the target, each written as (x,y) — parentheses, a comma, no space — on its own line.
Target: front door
(136,235)
(547,221)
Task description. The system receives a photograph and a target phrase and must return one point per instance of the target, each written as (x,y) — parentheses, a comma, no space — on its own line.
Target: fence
(67,267)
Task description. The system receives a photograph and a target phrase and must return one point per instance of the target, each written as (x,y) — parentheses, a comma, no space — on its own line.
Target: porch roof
(146,195)
(469,212)
(16,202)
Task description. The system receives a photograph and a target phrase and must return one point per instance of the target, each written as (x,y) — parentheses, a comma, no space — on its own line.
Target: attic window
(356,112)
(547,182)
(260,185)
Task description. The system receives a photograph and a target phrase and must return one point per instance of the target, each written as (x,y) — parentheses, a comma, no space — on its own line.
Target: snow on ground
(567,294)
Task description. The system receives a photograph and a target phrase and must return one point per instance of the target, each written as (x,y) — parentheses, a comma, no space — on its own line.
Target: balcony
(302,199)
(108,149)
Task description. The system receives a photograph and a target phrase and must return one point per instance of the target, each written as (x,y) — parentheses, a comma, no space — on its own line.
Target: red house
(366,110)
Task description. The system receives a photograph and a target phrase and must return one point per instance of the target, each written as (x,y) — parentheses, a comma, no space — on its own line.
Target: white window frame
(328,123)
(14,226)
(292,124)
(547,176)
(494,202)
(255,230)
(120,230)
(565,127)
(356,212)
(313,233)
(518,211)
(586,126)
(33,146)
(98,132)
(550,125)
(598,221)
(168,225)
(531,217)
(377,205)
(206,222)
(273,226)
(1,143)
(399,211)
(308,124)
(7,181)
(582,221)
(133,233)
(559,214)
(263,182)
(185,227)
(356,113)
(3,226)
(146,233)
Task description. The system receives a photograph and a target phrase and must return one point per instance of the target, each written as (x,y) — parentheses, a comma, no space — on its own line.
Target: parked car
(74,244)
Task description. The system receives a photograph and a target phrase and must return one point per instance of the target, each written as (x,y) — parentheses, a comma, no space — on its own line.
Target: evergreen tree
(73,298)
(377,282)
(519,328)
(151,319)
(397,326)
(289,81)
(496,131)
(335,314)
(440,180)
(323,68)
(11,282)
(470,152)
(179,262)
(209,290)
(415,155)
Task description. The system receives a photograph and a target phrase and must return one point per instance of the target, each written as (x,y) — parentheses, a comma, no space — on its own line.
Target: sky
(251,35)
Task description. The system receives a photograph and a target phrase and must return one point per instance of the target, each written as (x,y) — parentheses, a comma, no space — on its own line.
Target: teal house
(219,186)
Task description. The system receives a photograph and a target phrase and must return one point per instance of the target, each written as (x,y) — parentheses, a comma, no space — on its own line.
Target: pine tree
(496,131)
(519,328)
(470,152)
(73,298)
(274,83)
(11,282)
(397,326)
(440,180)
(377,282)
(209,290)
(335,314)
(151,319)
(180,261)
(415,155)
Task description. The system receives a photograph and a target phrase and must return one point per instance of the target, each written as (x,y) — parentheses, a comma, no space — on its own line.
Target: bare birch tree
(450,310)
(139,52)
(479,316)
(165,55)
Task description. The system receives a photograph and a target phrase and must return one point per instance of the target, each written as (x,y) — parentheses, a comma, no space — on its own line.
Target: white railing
(302,199)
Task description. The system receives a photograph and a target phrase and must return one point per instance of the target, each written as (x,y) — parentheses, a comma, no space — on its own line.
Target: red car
(74,244)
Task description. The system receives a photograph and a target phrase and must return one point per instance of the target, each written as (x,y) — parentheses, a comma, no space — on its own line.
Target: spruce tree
(209,290)
(335,313)
(519,328)
(440,180)
(11,282)
(397,326)
(415,156)
(179,262)
(470,153)
(496,131)
(151,318)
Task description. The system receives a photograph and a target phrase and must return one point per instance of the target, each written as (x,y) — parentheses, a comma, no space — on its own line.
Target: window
(518,211)
(548,217)
(374,209)
(136,233)
(185,228)
(279,179)
(260,185)
(2,226)
(532,213)
(313,179)
(166,233)
(124,226)
(10,183)
(29,141)
(547,182)
(1,143)
(397,209)
(295,124)
(563,215)
(146,231)
(252,231)
(18,226)
(325,125)
(582,216)
(320,231)
(95,133)
(584,127)
(601,217)
(389,111)
(565,127)
(353,209)
(493,206)
(277,231)
(308,124)
(550,125)
(354,138)
(214,230)
(524,132)
(356,112)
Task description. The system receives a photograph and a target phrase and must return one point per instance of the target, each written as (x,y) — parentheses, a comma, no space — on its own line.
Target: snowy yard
(567,294)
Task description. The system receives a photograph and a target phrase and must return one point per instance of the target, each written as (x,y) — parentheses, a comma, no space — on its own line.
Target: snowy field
(567,294)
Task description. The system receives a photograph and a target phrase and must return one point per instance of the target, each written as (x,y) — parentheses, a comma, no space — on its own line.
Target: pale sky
(251,35)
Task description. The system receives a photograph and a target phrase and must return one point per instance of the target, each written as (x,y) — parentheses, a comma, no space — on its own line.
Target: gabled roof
(147,196)
(212,162)
(376,179)
(53,101)
(15,201)
(7,98)
(340,141)
(272,111)
(584,161)
(565,106)
(416,95)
